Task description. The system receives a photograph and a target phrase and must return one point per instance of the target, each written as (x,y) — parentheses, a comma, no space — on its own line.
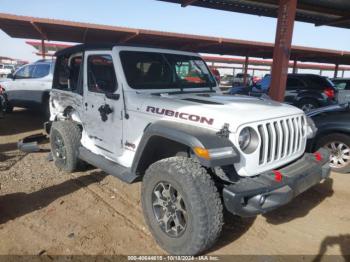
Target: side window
(61,74)
(67,73)
(41,70)
(74,72)
(25,72)
(293,83)
(100,74)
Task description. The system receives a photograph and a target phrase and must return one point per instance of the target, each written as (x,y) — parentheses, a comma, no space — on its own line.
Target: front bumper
(263,193)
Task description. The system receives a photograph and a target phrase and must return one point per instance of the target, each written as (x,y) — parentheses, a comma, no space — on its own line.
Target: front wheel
(338,146)
(182,206)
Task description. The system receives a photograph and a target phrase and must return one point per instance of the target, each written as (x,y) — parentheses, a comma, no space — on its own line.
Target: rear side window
(101,74)
(41,70)
(67,74)
(317,82)
(75,65)
(61,73)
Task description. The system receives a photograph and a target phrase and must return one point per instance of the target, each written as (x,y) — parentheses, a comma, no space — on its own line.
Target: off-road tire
(335,137)
(201,198)
(70,134)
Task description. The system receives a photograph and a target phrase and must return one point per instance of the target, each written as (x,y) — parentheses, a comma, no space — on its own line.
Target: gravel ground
(44,211)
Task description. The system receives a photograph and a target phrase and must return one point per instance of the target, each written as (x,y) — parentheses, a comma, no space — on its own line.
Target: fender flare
(189,136)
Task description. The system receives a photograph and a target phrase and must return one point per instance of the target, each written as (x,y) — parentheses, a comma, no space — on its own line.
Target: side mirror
(11,76)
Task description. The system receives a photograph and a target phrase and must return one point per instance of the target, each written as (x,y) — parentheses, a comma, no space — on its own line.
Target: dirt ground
(44,211)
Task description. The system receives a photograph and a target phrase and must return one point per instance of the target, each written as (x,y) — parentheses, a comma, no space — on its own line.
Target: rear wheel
(65,141)
(182,206)
(338,146)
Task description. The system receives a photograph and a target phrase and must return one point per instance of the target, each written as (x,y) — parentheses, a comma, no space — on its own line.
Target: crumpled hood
(213,110)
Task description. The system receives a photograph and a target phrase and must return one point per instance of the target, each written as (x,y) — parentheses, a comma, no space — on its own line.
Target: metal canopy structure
(67,31)
(319,12)
(259,62)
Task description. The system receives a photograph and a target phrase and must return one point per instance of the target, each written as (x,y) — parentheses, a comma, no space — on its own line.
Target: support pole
(245,71)
(295,69)
(281,52)
(336,70)
(43,49)
(342,75)
(321,71)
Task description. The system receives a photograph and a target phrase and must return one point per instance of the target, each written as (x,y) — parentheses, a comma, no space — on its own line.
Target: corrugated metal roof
(319,12)
(67,31)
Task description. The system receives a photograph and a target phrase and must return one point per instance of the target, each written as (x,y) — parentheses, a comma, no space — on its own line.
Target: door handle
(105,110)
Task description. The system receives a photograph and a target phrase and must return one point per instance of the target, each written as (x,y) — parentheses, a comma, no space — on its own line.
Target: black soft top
(84,47)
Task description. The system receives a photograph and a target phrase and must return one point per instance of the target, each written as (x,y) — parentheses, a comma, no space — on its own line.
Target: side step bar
(107,166)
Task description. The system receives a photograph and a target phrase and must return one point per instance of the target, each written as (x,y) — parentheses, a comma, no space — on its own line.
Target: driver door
(102,103)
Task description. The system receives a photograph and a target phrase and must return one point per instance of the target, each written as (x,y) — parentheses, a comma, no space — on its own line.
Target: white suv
(5,70)
(158,116)
(29,86)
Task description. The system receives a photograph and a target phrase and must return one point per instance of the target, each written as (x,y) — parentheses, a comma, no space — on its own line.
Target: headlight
(244,138)
(311,128)
(248,140)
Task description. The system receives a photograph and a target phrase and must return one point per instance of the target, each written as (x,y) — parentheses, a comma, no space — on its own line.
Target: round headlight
(244,138)
(248,140)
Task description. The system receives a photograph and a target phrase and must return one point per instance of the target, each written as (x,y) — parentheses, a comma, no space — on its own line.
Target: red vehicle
(216,73)
(256,79)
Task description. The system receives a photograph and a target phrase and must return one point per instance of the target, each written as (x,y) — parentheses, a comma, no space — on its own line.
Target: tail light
(1,90)
(329,92)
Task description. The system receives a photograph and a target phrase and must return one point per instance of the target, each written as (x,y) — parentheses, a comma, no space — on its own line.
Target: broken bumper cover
(268,191)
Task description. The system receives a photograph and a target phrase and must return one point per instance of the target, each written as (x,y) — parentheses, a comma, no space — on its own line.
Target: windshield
(147,70)
(8,67)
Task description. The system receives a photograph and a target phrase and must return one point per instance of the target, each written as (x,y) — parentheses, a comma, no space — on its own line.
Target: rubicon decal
(180,115)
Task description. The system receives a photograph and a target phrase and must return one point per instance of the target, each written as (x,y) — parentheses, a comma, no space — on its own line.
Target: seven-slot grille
(281,138)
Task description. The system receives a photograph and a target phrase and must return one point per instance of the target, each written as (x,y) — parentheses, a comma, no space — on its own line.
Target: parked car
(306,91)
(29,86)
(239,79)
(226,82)
(158,116)
(215,73)
(333,133)
(343,87)
(256,79)
(6,70)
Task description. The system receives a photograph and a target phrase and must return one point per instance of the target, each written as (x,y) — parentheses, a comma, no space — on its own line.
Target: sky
(157,15)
